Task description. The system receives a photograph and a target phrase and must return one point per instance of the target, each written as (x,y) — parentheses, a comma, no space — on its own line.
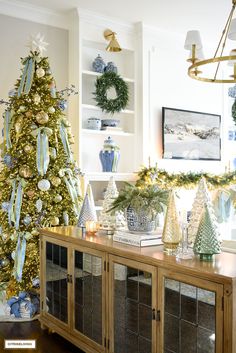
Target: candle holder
(91,227)
(183,251)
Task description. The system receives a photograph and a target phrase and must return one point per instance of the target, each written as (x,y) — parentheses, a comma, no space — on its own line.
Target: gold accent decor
(113,46)
(199,66)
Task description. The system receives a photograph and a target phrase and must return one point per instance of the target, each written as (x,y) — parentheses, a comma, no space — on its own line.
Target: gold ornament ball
(54,221)
(40,72)
(51,110)
(42,118)
(35,232)
(25,171)
(28,114)
(56,181)
(28,148)
(30,194)
(58,198)
(4,262)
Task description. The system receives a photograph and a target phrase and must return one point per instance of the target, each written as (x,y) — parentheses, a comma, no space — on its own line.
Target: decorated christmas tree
(39,183)
(207,242)
(202,197)
(171,235)
(111,220)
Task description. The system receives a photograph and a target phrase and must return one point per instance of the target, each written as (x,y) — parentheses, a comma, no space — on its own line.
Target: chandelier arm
(225,32)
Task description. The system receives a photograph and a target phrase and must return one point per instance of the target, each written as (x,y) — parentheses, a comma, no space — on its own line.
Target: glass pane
(189,318)
(56,281)
(88,295)
(132,310)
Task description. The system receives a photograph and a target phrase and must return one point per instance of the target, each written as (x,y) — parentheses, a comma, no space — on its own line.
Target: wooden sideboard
(105,296)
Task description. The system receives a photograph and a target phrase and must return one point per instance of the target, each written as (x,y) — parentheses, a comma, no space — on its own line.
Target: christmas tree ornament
(53,153)
(54,221)
(171,235)
(4,262)
(18,126)
(44,185)
(37,44)
(28,148)
(66,218)
(25,171)
(22,109)
(111,221)
(37,99)
(27,220)
(86,213)
(56,181)
(35,232)
(39,205)
(58,198)
(42,118)
(62,104)
(51,110)
(61,173)
(30,193)
(13,255)
(28,114)
(202,197)
(5,206)
(9,161)
(40,72)
(207,241)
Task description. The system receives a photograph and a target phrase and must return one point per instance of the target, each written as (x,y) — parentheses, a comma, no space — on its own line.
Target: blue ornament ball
(5,206)
(8,161)
(62,104)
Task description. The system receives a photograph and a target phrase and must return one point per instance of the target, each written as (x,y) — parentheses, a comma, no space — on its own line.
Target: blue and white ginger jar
(98,64)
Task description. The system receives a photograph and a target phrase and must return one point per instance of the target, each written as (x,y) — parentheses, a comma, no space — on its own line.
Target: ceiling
(209,16)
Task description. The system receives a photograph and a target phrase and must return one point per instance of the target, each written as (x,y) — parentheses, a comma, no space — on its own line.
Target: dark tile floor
(45,342)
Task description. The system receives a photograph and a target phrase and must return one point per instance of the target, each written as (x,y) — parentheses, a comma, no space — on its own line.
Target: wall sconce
(113,45)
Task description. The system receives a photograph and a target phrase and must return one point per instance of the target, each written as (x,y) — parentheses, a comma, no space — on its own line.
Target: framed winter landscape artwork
(190,135)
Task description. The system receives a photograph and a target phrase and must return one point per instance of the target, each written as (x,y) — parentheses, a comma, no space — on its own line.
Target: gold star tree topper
(36,43)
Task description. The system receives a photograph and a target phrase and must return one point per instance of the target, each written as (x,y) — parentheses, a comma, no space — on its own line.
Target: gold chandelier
(210,67)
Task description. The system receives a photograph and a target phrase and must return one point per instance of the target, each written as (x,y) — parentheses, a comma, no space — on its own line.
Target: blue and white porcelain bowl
(110,123)
(94,123)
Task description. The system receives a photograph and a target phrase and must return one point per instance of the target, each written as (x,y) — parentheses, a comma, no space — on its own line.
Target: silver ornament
(4,262)
(51,110)
(61,173)
(44,185)
(42,117)
(5,206)
(66,218)
(37,98)
(53,152)
(40,72)
(58,198)
(27,220)
(39,205)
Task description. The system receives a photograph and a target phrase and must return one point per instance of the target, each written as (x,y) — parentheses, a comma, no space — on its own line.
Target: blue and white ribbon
(43,156)
(27,77)
(19,256)
(65,142)
(7,128)
(15,203)
(70,183)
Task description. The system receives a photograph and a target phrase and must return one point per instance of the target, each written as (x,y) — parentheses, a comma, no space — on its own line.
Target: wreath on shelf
(103,84)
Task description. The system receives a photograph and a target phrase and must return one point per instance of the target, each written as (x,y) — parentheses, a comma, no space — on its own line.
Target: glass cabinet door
(133,324)
(190,317)
(56,281)
(89,308)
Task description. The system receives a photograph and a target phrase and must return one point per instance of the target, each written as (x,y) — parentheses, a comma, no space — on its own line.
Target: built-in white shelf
(103,176)
(94,107)
(107,132)
(93,73)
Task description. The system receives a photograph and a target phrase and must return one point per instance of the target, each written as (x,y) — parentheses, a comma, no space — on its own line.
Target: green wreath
(103,83)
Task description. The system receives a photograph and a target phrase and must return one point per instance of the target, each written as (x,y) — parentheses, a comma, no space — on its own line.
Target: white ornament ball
(44,185)
(51,110)
(54,221)
(40,72)
(22,108)
(58,198)
(39,205)
(37,98)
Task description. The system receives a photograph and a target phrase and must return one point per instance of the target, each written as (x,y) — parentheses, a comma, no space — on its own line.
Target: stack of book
(137,239)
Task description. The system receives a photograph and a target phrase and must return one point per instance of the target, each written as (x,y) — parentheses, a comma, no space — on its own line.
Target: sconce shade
(193,37)
(113,46)
(232,62)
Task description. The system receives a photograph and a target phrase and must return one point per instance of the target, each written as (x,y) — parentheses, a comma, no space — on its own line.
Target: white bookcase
(91,142)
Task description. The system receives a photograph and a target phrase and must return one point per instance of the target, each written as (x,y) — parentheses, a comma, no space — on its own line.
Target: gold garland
(165,180)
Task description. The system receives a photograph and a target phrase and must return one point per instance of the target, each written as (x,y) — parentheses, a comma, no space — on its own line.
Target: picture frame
(190,135)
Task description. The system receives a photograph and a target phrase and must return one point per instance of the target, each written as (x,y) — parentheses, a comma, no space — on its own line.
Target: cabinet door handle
(68,278)
(153,314)
(158,316)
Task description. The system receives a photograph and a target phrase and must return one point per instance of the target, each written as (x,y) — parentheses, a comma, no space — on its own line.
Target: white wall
(169,85)
(14,36)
